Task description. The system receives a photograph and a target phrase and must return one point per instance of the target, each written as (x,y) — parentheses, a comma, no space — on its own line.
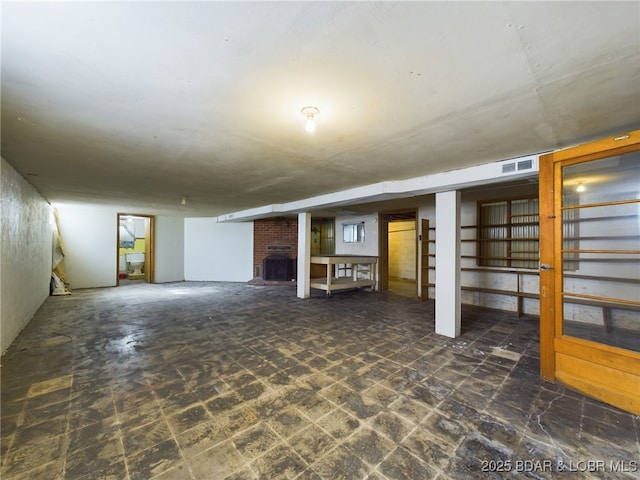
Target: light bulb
(310,126)
(310,112)
(580,188)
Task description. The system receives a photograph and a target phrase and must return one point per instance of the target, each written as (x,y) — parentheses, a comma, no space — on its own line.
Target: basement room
(320,240)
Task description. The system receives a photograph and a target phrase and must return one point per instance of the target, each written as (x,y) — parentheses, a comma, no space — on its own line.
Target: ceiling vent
(525,164)
(519,165)
(508,167)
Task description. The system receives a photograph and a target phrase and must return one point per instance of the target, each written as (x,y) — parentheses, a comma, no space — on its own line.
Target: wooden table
(345,271)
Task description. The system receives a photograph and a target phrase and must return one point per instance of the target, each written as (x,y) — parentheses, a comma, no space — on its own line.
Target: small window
(353,232)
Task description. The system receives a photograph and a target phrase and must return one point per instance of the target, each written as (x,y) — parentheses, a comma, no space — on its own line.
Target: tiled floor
(214,381)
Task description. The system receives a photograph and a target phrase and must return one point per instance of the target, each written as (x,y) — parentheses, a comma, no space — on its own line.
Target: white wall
(89,236)
(25,253)
(218,251)
(370,244)
(169,249)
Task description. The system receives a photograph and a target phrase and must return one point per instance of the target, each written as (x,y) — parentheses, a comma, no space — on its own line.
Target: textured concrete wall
(25,253)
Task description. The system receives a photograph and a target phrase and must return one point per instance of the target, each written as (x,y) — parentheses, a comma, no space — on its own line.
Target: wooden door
(590,269)
(383,254)
(424,259)
(149,258)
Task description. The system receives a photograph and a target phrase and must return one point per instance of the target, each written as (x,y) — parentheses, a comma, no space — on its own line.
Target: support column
(304,255)
(448,264)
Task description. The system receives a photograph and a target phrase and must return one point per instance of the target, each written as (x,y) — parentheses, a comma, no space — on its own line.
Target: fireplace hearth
(278,268)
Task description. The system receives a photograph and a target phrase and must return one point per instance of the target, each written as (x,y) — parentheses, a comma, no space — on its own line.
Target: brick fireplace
(277,239)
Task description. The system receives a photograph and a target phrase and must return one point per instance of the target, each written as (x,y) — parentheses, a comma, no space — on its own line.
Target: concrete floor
(233,381)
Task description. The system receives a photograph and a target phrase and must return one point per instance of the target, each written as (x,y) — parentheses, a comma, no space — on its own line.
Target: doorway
(399,253)
(135,249)
(589,269)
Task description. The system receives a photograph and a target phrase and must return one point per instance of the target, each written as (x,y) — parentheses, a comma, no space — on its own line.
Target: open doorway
(399,253)
(135,249)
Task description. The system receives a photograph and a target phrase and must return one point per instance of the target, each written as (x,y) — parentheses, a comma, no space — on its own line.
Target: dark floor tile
(338,424)
(139,416)
(189,418)
(95,433)
(280,462)
(24,456)
(392,426)
(146,436)
(444,428)
(203,436)
(179,401)
(223,403)
(288,422)
(317,388)
(255,441)
(402,464)
(369,446)
(97,457)
(429,447)
(153,461)
(220,461)
(341,464)
(46,471)
(361,407)
(180,472)
(480,457)
(312,443)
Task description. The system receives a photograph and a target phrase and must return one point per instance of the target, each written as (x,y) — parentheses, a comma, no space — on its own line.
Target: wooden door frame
(149,242)
(383,247)
(553,344)
(423,263)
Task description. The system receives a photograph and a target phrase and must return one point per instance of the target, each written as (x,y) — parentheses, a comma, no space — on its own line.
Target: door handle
(545,266)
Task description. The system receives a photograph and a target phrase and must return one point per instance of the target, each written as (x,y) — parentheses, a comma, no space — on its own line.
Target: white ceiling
(137,104)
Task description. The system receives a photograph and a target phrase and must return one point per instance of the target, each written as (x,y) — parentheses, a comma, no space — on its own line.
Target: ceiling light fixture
(184,201)
(580,188)
(310,112)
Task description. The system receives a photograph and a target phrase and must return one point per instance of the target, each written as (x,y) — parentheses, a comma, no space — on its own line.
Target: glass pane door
(601,251)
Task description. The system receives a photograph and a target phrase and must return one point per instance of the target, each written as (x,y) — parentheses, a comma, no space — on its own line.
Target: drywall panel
(169,249)
(217,251)
(370,244)
(89,235)
(25,253)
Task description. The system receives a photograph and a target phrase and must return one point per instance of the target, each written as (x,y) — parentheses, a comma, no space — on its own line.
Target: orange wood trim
(383,253)
(612,357)
(424,259)
(547,278)
(615,301)
(151,256)
(607,395)
(599,148)
(601,204)
(622,382)
(118,249)
(557,253)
